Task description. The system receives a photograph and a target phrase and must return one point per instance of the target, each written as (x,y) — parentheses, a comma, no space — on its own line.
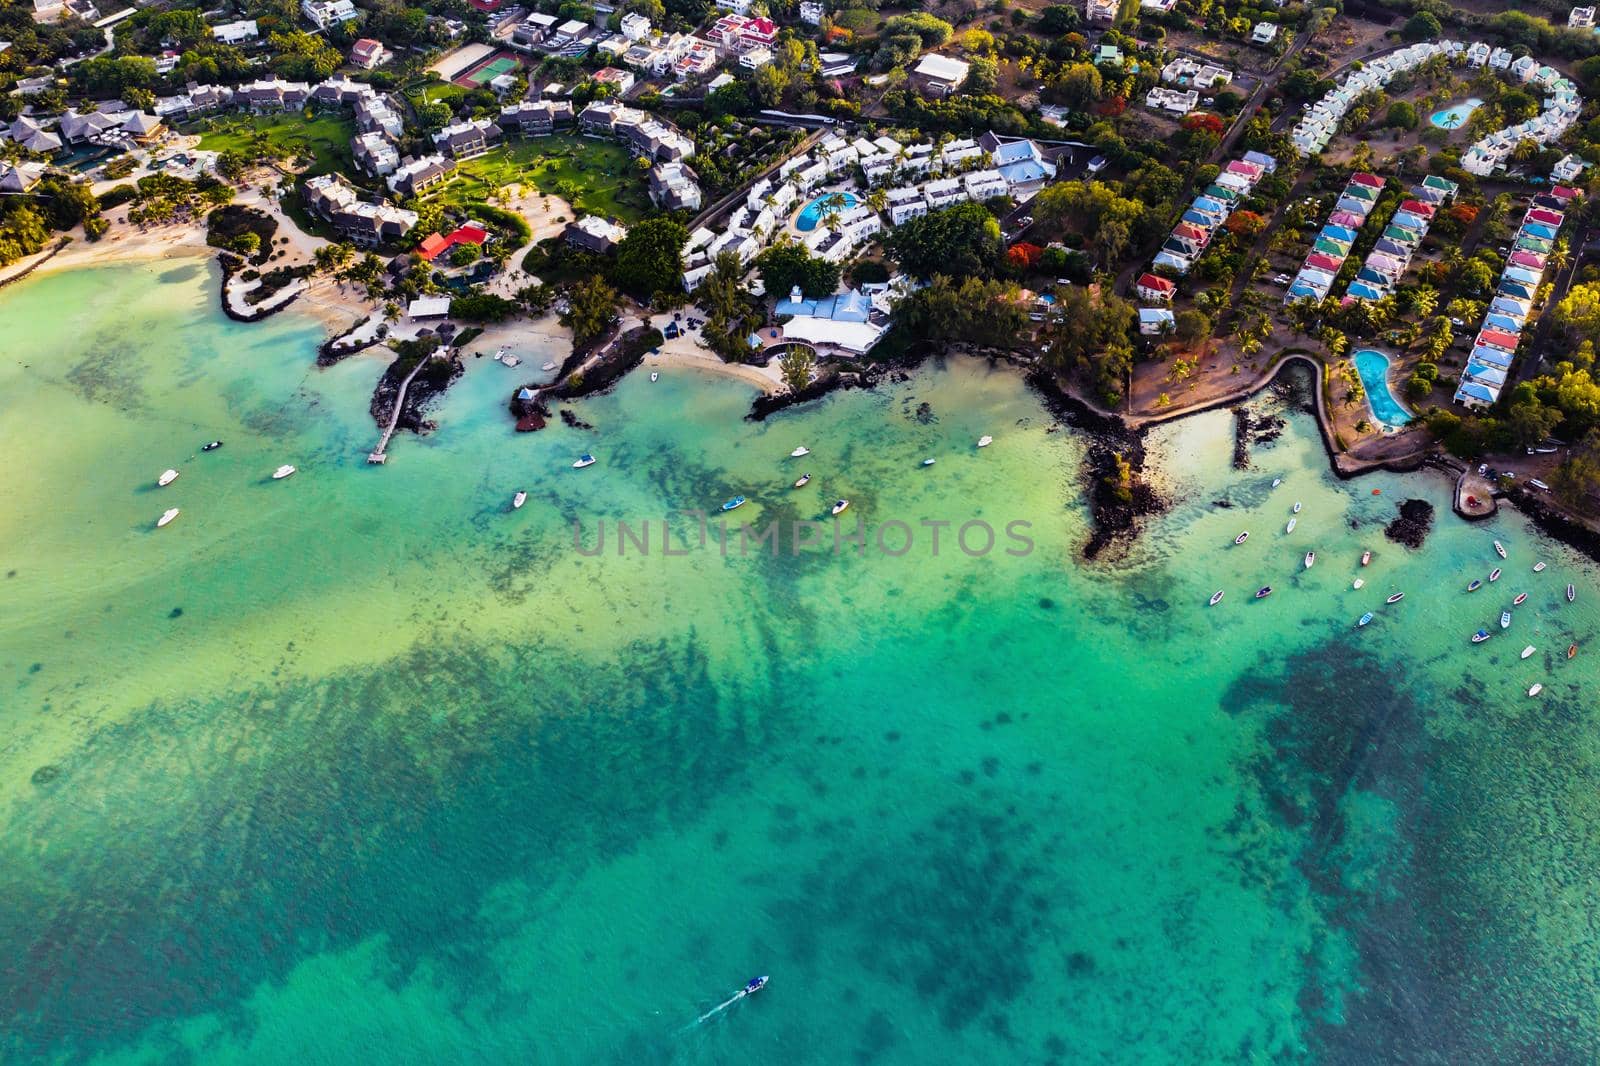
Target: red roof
(486,5)
(766,29)
(1323,261)
(1156,283)
(1416,207)
(1498,338)
(1191,231)
(434,245)
(1566,192)
(1367,179)
(1549,218)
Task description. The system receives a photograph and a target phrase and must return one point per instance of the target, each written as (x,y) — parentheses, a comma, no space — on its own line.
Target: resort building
(1179,103)
(368,53)
(364,224)
(375,153)
(416,176)
(1581,18)
(595,234)
(20,177)
(1154,289)
(31,136)
(467,140)
(847,324)
(674,187)
(535,118)
(1264,33)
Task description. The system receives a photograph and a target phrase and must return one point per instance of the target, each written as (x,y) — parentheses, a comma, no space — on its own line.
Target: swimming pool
(1374,370)
(1454,117)
(813,212)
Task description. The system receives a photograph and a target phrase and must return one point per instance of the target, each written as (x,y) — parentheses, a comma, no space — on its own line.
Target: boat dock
(1474,496)
(378,456)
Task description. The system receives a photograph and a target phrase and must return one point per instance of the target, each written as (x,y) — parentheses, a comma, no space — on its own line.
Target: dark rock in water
(1242,425)
(573,420)
(1224,504)
(1047,603)
(45,774)
(1411,528)
(924,412)
(1118,497)
(176,612)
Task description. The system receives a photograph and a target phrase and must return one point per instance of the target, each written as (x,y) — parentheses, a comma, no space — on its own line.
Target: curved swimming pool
(1374,370)
(812,213)
(1455,117)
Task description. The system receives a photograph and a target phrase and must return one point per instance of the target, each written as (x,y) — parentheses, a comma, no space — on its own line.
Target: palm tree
(1560,255)
(878,199)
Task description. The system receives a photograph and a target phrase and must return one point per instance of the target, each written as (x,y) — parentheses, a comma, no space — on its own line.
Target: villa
(847,324)
(592,233)
(364,224)
(326,13)
(235,33)
(940,75)
(1152,288)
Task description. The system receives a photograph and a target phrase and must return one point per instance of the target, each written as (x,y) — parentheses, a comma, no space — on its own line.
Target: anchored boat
(736,502)
(584,460)
(840,506)
(1263,592)
(1475,584)
(1500,549)
(1366,557)
(1242,537)
(167,477)
(798,452)
(1357,583)
(1297,507)
(211,447)
(1494,575)
(1538,567)
(1396,598)
(1480,636)
(167,517)
(518,500)
(1527,651)
(985,441)
(1505,619)
(803,481)
(1311,560)
(282,472)
(1522,598)
(1572,593)
(1290,527)
(1216,598)
(1364,619)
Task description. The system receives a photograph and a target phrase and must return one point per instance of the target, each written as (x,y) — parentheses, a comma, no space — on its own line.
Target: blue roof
(849,306)
(1539,229)
(1023,172)
(1483,353)
(1339,233)
(1505,322)
(1472,390)
(1198,219)
(1389,247)
(1015,152)
(1362,291)
(1410,221)
(1302,289)
(1205,203)
(1492,375)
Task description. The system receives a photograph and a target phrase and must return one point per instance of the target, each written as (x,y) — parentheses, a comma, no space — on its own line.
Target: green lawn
(324,140)
(596,177)
(433,89)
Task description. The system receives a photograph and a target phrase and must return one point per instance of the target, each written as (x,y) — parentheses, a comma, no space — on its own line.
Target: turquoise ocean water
(361,766)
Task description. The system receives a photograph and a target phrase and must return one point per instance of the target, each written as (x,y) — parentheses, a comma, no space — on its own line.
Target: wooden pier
(378,455)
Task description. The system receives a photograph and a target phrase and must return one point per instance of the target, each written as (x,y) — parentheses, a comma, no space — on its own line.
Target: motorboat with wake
(1396,598)
(838,508)
(584,460)
(167,477)
(519,499)
(1242,537)
(282,472)
(754,985)
(803,481)
(1216,598)
(167,517)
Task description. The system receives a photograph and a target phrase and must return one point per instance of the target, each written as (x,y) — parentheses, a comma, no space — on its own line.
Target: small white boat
(1480,636)
(984,442)
(1290,527)
(282,472)
(1522,598)
(1216,598)
(654,374)
(1396,598)
(584,460)
(1364,619)
(1505,619)
(1536,483)
(1535,690)
(1297,507)
(1500,549)
(805,479)
(1242,537)
(1527,651)
(1494,575)
(840,506)
(167,477)
(1538,567)
(798,452)
(1366,557)
(1572,593)
(929,462)
(1277,481)
(548,366)
(1311,560)
(1357,583)
(519,499)
(167,518)
(511,360)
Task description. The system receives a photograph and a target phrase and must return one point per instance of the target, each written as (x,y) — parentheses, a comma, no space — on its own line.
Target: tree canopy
(958,241)
(650,258)
(783,266)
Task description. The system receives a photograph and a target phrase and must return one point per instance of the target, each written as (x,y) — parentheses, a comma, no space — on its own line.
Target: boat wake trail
(756,984)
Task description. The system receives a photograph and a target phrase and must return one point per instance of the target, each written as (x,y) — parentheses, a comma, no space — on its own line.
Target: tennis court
(482,74)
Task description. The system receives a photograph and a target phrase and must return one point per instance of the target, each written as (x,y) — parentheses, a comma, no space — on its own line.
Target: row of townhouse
(536,118)
(1391,256)
(648,136)
(912,201)
(1489,366)
(417,176)
(1561,106)
(1333,243)
(1202,219)
(365,224)
(468,138)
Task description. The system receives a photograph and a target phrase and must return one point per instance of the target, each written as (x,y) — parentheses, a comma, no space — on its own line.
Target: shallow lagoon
(361,766)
